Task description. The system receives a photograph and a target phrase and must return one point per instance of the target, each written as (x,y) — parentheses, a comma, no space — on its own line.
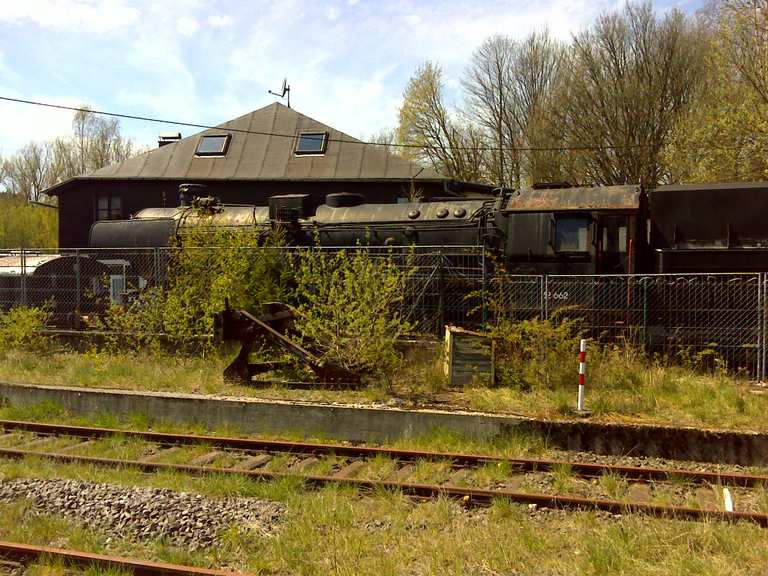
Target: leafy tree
(744,37)
(24,225)
(724,136)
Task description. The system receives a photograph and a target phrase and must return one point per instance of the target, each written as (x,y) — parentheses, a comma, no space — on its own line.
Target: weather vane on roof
(284,91)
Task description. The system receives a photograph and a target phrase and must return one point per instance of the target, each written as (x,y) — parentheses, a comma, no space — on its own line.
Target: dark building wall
(77,205)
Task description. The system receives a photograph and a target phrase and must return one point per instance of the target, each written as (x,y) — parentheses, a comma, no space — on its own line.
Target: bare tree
(95,142)
(433,135)
(386,138)
(630,77)
(490,86)
(29,171)
(510,87)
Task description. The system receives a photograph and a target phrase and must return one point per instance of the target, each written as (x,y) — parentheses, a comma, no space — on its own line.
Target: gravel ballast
(180,518)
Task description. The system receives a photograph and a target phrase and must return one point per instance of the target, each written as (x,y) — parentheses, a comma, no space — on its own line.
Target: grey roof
(256,156)
(584,198)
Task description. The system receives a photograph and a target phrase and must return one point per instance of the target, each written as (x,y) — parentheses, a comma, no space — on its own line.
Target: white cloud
(413,19)
(101,17)
(187,26)
(220,21)
(23,122)
(348,72)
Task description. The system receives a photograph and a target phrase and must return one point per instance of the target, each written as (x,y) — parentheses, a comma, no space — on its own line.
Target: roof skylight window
(311,143)
(213,145)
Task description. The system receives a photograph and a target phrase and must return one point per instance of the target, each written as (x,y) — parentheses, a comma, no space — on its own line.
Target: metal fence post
(23,258)
(77,277)
(545,297)
(156,265)
(762,325)
(759,347)
(484,292)
(645,310)
(441,292)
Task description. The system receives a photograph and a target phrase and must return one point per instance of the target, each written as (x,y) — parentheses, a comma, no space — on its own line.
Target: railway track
(19,555)
(471,478)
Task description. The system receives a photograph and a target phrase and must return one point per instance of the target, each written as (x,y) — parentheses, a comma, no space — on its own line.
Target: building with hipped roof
(271,151)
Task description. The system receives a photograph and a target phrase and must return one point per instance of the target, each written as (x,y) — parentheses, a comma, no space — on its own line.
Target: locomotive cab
(575,230)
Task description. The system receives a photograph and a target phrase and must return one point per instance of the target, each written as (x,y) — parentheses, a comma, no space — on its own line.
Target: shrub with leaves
(20,328)
(348,308)
(208,267)
(532,353)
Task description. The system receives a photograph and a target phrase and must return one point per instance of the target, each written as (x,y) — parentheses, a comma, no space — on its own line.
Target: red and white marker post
(582,373)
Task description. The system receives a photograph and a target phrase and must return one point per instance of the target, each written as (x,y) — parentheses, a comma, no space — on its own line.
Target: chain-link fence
(444,283)
(708,318)
(716,316)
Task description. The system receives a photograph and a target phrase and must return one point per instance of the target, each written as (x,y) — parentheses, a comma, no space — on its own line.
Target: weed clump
(531,354)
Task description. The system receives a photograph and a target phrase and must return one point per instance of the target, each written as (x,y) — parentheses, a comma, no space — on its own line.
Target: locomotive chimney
(168,138)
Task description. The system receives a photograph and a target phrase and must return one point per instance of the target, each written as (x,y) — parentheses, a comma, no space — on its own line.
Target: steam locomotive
(546,230)
(605,230)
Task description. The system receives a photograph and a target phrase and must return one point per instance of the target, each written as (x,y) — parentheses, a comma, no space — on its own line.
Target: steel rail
(584,469)
(25,553)
(469,496)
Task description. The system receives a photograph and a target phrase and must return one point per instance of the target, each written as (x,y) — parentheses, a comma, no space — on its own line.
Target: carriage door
(612,245)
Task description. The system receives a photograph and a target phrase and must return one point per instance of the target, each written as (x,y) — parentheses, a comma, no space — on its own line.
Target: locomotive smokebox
(188,192)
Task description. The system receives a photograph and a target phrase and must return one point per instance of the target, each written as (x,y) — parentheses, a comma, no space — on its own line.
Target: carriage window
(109,207)
(571,234)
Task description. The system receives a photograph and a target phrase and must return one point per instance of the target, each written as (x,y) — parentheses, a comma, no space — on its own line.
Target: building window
(571,234)
(311,143)
(213,145)
(109,207)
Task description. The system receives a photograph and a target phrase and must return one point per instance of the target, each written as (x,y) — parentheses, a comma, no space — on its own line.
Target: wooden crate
(468,358)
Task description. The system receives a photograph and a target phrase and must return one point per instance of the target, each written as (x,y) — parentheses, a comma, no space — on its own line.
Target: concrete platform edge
(370,424)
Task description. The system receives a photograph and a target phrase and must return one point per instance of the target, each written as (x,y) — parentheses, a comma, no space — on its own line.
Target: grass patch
(614,486)
(622,386)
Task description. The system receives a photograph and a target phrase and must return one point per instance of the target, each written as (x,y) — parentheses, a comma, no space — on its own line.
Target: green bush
(20,328)
(24,225)
(535,353)
(208,268)
(348,308)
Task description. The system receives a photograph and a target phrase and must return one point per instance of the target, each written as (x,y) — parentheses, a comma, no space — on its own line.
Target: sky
(346,61)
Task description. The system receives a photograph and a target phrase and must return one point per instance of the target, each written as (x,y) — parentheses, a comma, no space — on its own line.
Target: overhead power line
(416,146)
